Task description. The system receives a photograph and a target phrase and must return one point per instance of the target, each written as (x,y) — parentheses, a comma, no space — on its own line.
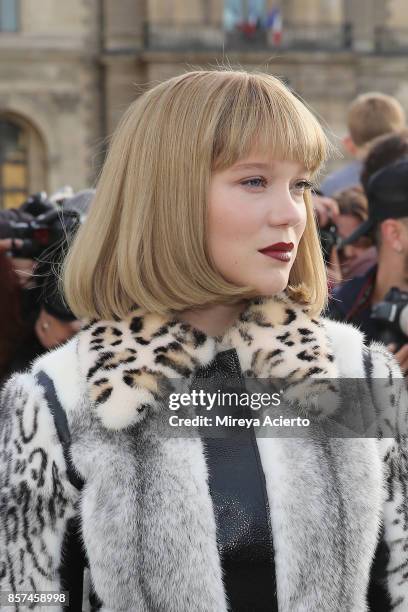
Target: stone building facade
(69,69)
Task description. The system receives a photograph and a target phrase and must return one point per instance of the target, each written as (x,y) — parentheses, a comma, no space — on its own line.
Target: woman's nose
(284,210)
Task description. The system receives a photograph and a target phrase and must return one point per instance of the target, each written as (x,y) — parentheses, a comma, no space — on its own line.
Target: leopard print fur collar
(128,362)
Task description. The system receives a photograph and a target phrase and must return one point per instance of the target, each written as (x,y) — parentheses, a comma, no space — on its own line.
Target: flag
(274,22)
(256,12)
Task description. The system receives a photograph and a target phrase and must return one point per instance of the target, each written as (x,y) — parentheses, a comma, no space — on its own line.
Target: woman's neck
(215,319)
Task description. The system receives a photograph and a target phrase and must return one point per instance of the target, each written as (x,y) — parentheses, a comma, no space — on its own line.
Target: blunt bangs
(260,113)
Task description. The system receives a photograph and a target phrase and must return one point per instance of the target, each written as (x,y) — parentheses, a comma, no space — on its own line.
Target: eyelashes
(260,181)
(305,185)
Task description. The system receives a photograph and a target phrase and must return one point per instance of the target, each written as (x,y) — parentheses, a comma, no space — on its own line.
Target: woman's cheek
(302,224)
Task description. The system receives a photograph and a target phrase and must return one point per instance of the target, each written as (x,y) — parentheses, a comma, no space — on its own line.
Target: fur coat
(146,515)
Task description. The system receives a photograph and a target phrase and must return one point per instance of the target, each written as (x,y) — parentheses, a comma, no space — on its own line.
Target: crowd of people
(369,196)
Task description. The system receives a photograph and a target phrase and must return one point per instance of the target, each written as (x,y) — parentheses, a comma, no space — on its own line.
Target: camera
(392,317)
(40,233)
(329,238)
(37,204)
(45,232)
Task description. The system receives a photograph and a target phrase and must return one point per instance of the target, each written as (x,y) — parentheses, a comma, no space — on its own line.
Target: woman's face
(257,216)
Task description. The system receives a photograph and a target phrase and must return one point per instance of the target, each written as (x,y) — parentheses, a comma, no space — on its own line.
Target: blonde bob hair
(144,241)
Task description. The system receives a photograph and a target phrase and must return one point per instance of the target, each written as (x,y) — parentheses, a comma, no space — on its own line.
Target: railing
(391,40)
(163,36)
(322,36)
(198,36)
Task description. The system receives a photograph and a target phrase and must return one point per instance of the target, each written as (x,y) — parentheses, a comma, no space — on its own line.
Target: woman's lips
(280,251)
(281,255)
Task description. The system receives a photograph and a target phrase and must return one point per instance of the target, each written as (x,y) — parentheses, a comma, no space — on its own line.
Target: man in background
(370,115)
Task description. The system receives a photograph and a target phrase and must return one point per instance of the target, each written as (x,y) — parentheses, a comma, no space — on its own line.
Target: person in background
(356,258)
(337,217)
(44,321)
(384,150)
(11,323)
(387,222)
(370,115)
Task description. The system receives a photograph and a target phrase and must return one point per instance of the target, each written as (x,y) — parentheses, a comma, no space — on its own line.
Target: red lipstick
(279,250)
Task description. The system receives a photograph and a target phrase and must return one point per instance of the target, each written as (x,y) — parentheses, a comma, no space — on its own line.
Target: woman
(202,218)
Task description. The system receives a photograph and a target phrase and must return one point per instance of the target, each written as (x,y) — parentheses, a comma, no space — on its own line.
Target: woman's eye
(257,181)
(302,186)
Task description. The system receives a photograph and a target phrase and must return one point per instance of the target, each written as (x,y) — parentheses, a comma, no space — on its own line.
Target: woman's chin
(267,288)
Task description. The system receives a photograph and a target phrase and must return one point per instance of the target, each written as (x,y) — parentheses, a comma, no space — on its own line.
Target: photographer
(367,300)
(337,217)
(355,259)
(34,237)
(326,210)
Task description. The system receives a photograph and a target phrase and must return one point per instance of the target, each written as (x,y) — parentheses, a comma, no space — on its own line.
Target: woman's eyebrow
(252,166)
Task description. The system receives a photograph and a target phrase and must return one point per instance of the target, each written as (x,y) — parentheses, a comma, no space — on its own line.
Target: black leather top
(240,501)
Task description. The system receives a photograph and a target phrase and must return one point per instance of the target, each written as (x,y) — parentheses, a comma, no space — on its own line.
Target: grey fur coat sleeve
(36,498)
(389,392)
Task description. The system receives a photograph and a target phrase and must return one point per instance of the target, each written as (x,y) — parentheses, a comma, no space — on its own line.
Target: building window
(8,16)
(13,164)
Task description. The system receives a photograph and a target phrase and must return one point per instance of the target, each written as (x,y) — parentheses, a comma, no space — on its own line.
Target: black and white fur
(146,513)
